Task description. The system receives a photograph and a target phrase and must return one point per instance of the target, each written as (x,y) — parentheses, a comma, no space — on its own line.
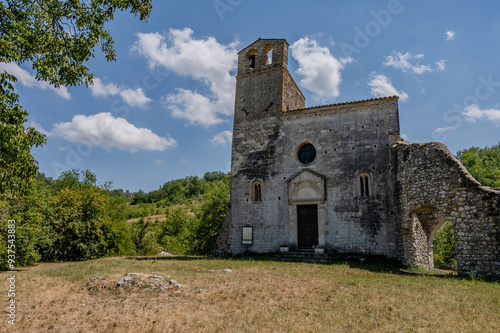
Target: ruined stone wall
(433,187)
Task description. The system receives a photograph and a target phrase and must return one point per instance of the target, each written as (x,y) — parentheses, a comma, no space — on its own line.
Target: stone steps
(304,256)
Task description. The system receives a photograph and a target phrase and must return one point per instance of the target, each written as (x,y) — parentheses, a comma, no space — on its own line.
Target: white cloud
(404,62)
(100,89)
(28,80)
(450,35)
(444,129)
(134,98)
(222,138)
(441,65)
(39,128)
(319,69)
(103,130)
(473,112)
(380,86)
(204,60)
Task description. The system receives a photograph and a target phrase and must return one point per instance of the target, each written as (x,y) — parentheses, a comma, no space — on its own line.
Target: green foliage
(210,217)
(483,164)
(71,218)
(173,233)
(444,247)
(57,37)
(180,190)
(76,221)
(18,168)
(74,218)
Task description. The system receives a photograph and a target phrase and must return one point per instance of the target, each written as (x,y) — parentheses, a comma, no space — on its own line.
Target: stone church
(340,177)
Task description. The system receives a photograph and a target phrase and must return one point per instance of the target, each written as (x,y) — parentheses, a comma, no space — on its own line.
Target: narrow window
(268,51)
(257,191)
(364,184)
(361,186)
(270,57)
(367,191)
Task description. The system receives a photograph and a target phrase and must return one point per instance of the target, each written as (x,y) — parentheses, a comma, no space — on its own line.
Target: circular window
(307,153)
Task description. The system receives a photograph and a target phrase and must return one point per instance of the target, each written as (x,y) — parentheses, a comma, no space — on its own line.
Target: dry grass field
(257,296)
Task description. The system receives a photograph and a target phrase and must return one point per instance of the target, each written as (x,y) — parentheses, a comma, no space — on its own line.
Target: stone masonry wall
(432,187)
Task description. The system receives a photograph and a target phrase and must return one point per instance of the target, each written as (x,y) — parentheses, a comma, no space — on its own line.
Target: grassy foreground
(257,296)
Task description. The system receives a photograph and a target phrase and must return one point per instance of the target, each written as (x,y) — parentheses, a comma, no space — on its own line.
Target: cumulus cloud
(318,68)
(104,130)
(222,138)
(28,80)
(441,65)
(134,98)
(473,112)
(405,62)
(380,86)
(450,35)
(204,60)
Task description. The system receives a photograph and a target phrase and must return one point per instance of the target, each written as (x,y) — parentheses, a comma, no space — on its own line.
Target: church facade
(340,177)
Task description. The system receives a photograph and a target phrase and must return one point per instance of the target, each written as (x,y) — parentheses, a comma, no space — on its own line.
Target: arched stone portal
(426,221)
(306,196)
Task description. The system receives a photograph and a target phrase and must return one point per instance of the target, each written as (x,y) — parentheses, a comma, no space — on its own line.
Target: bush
(209,218)
(444,248)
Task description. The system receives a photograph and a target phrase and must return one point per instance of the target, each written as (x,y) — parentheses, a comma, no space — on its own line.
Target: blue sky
(163,110)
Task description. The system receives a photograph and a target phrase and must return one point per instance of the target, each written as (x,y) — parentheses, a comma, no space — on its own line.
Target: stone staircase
(303,256)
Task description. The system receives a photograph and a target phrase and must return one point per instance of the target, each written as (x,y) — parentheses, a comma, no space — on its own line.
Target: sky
(164,109)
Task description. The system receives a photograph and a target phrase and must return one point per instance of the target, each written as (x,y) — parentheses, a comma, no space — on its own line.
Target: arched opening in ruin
(252,56)
(268,50)
(426,223)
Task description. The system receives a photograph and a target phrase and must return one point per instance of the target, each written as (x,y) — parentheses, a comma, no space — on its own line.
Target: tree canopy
(57,37)
(483,164)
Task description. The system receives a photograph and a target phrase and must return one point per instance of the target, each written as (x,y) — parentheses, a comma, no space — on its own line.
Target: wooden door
(307,226)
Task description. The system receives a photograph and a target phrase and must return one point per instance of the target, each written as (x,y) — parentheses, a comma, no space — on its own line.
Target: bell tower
(264,91)
(264,87)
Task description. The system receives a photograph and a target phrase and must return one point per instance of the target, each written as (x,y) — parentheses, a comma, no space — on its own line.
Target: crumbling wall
(433,187)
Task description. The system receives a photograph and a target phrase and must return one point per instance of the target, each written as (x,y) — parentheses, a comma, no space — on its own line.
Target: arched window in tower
(268,50)
(257,190)
(364,184)
(252,58)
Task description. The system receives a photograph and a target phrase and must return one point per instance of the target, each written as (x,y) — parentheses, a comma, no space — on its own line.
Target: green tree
(173,232)
(444,247)
(76,223)
(57,37)
(210,217)
(483,164)
(212,176)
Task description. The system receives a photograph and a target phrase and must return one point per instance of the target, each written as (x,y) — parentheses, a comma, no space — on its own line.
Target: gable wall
(351,223)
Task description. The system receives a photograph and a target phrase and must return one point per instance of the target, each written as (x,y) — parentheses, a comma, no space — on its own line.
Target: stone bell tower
(264,87)
(264,90)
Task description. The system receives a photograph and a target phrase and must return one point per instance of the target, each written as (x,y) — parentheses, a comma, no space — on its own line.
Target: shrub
(444,247)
